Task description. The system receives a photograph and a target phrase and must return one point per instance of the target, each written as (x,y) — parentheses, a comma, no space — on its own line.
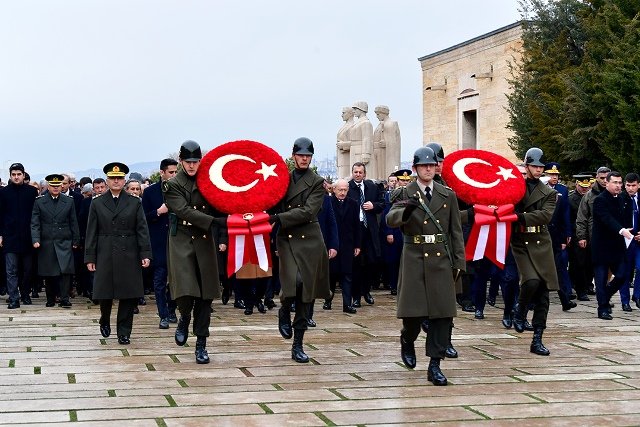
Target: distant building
(464,92)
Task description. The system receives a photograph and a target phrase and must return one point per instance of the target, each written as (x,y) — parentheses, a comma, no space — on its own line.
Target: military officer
(192,252)
(580,268)
(304,261)
(117,247)
(432,258)
(532,249)
(55,233)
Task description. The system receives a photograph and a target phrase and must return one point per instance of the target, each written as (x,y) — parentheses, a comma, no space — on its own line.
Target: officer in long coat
(304,261)
(55,233)
(532,249)
(432,258)
(117,248)
(192,252)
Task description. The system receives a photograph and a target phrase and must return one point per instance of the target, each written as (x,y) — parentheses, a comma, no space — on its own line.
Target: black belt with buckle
(531,228)
(424,238)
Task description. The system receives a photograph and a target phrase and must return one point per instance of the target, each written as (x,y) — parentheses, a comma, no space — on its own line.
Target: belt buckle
(429,238)
(417,240)
(439,238)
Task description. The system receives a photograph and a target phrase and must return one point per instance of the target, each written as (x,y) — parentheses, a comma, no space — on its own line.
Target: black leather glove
(471,214)
(521,219)
(411,206)
(221,221)
(274,219)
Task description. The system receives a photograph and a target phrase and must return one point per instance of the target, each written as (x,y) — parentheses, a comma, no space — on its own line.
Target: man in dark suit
(391,237)
(632,185)
(86,278)
(117,247)
(55,233)
(16,205)
(369,197)
(341,267)
(611,234)
(560,231)
(156,212)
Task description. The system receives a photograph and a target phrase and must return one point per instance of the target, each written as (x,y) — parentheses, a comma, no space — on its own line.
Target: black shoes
(50,303)
(311,323)
(569,305)
(182,330)
(407,353)
(605,315)
(65,303)
(225,295)
(26,300)
(123,340)
(536,343)
(368,298)
(202,356)
(518,320)
(527,325)
(297,352)
(434,374)
(451,352)
(468,307)
(425,326)
(164,324)
(13,304)
(268,302)
(479,314)
(136,310)
(326,305)
(507,322)
(105,330)
(394,292)
(349,309)
(284,323)
(260,307)
(239,304)
(248,311)
(172,318)
(626,307)
(491,301)
(584,297)
(356,304)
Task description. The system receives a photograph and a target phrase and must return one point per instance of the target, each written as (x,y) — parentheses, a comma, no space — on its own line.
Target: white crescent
(458,170)
(215,173)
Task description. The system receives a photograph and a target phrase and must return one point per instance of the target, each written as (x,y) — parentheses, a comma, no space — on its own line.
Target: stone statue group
(379,150)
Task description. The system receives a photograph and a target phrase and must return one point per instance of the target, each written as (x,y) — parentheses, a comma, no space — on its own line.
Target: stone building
(464,92)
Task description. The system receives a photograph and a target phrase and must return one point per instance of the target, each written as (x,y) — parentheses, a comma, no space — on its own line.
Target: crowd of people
(112,238)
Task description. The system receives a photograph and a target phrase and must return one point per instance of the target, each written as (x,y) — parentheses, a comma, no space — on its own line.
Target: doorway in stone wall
(468,103)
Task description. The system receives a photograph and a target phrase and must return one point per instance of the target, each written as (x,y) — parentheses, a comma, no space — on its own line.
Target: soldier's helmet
(437,149)
(303,146)
(190,151)
(424,156)
(534,157)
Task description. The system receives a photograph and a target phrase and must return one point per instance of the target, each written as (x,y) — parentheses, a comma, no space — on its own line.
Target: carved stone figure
(344,143)
(386,145)
(362,138)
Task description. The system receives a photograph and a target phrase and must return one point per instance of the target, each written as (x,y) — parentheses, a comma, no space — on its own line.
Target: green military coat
(426,285)
(192,251)
(55,226)
(117,241)
(299,241)
(532,251)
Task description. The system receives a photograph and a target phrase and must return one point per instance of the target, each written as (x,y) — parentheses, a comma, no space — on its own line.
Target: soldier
(192,252)
(432,258)
(117,248)
(580,268)
(531,247)
(304,260)
(55,233)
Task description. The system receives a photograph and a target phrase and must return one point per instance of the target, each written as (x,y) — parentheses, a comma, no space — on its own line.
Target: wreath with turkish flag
(243,179)
(493,185)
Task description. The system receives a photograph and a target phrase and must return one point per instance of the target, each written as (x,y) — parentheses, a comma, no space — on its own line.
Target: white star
(268,171)
(506,173)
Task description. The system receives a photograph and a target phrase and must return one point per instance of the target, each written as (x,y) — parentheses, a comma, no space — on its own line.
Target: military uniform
(54,226)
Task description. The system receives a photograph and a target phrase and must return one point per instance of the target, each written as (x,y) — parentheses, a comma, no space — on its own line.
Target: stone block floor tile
(56,369)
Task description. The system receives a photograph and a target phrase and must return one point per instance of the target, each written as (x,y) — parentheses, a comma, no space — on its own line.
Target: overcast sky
(84,83)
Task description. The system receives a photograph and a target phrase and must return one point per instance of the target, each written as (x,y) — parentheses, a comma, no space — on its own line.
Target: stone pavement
(56,368)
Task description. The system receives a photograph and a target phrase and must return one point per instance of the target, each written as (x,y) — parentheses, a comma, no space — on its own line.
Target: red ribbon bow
(491,233)
(248,241)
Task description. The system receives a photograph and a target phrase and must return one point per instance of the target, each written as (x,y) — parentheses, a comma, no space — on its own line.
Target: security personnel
(117,247)
(432,258)
(532,249)
(192,251)
(580,268)
(560,231)
(304,261)
(54,234)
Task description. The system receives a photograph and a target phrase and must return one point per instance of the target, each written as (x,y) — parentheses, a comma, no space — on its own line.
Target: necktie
(363,216)
(634,204)
(427,192)
(115,201)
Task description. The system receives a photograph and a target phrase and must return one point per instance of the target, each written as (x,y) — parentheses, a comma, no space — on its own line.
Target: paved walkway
(56,368)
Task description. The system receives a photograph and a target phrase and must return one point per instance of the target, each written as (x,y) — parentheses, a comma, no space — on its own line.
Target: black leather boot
(202,356)
(519,318)
(284,322)
(407,353)
(225,295)
(182,330)
(297,353)
(536,343)
(434,374)
(451,352)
